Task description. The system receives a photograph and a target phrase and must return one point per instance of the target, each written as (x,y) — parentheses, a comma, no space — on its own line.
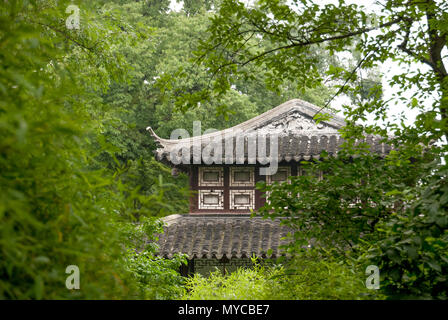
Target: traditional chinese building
(223,168)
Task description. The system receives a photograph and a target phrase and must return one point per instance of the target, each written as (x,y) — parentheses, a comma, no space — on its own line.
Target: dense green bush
(412,246)
(391,213)
(315,277)
(250,283)
(58,205)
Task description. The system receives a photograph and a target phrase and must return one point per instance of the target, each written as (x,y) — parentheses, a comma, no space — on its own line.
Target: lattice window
(241,177)
(242,199)
(211,177)
(211,199)
(281,175)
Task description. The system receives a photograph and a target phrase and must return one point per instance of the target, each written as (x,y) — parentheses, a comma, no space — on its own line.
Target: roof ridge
(293,104)
(171,218)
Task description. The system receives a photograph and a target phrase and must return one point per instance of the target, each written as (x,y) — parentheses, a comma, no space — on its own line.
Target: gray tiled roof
(297,147)
(299,136)
(216,236)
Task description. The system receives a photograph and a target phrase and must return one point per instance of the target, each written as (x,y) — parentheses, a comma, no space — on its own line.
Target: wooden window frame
(250,183)
(204,183)
(250,193)
(219,193)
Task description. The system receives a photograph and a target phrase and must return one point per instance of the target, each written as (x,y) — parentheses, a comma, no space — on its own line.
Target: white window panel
(211,199)
(211,177)
(242,177)
(242,199)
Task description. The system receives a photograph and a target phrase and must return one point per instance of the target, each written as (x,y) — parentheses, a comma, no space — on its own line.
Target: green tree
(58,205)
(387,206)
(163,50)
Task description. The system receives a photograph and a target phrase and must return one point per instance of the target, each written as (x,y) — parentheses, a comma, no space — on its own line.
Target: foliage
(186,82)
(390,207)
(242,284)
(316,278)
(77,175)
(286,36)
(346,213)
(412,249)
(59,206)
(162,70)
(157,278)
(77,172)
(383,221)
(322,276)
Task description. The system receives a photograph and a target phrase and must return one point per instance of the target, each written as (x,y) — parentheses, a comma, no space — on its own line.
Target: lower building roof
(222,235)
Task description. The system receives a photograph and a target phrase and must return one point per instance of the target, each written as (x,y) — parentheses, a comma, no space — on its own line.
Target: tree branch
(341,89)
(404,47)
(436,42)
(57,30)
(308,43)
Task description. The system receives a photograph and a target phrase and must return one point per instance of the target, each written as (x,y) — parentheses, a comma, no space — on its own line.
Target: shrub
(312,277)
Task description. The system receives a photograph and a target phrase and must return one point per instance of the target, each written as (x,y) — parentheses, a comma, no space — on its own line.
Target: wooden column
(193,174)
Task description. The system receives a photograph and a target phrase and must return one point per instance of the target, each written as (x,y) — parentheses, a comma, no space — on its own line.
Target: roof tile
(216,236)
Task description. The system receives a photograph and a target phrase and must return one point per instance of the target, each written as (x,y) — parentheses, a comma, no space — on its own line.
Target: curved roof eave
(256,122)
